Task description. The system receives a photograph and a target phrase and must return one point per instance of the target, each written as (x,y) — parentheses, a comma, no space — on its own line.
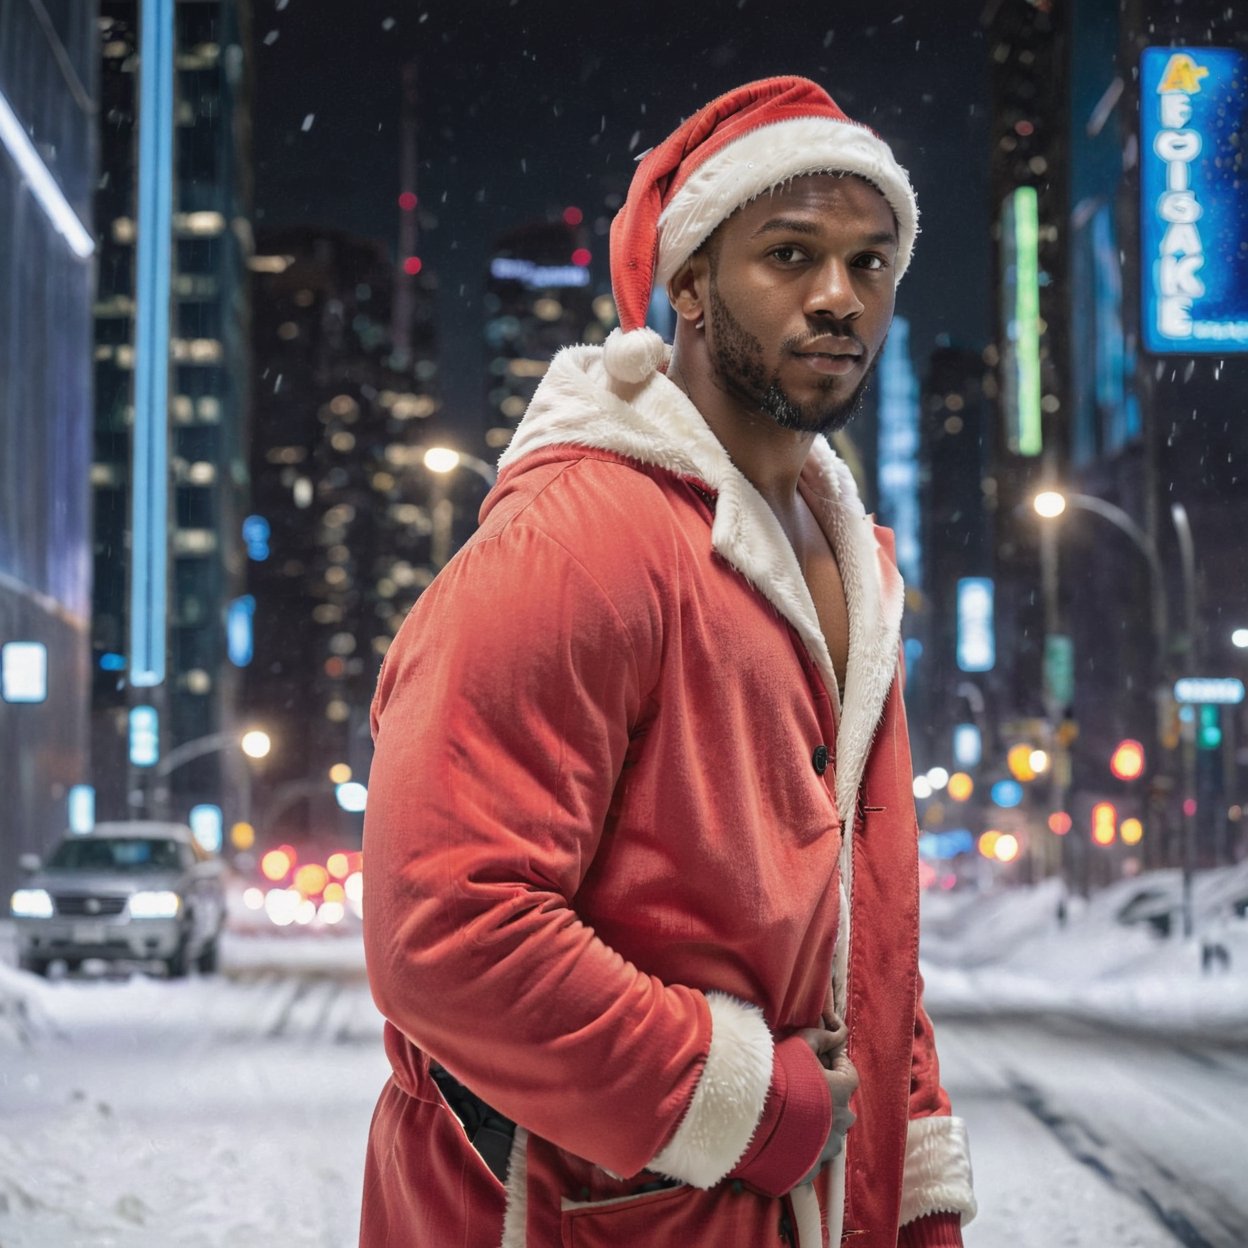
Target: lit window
(270,264)
(194,541)
(24,671)
(197,680)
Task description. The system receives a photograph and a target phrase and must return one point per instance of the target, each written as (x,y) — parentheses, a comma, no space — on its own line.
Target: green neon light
(1027,319)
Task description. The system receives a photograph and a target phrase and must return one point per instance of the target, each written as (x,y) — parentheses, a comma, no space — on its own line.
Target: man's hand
(828,1045)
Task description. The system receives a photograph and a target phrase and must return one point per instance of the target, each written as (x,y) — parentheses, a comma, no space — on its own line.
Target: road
(232,1110)
(1083,1136)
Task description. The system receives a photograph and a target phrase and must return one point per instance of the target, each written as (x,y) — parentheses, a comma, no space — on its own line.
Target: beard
(737,357)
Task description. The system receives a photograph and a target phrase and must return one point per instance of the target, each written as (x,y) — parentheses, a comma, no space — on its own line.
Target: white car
(138,891)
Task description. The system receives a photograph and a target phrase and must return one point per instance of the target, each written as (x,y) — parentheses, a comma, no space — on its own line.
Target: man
(642,895)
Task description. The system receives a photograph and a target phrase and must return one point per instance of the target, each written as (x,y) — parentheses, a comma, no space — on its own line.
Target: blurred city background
(249,411)
(279,279)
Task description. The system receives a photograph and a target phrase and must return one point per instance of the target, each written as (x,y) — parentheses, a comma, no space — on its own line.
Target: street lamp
(1050,504)
(255,743)
(444,459)
(441,461)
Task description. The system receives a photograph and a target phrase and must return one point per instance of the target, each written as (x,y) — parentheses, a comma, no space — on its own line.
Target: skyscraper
(170,471)
(540,296)
(47,170)
(341,524)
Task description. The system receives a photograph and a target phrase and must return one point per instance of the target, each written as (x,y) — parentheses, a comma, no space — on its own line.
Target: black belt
(491,1134)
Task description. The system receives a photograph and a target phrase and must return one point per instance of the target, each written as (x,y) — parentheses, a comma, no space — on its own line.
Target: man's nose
(832,293)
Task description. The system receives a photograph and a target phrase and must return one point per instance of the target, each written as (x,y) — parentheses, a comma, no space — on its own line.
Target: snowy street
(1085,1135)
(229,1110)
(233,1109)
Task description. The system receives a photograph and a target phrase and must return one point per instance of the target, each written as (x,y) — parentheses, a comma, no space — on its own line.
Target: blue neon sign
(239,630)
(144,736)
(977,647)
(150,445)
(1193,211)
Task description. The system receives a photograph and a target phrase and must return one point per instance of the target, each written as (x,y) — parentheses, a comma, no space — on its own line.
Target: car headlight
(31,903)
(155,905)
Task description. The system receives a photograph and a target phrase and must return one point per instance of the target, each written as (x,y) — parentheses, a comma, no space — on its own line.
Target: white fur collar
(578,404)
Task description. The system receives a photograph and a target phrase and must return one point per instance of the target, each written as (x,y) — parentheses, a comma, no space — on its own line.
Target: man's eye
(872,262)
(786,255)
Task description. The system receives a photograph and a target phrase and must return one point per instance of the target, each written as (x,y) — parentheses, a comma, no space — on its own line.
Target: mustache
(822,339)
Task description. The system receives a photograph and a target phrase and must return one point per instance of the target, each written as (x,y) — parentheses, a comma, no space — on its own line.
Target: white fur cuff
(938,1170)
(728,1101)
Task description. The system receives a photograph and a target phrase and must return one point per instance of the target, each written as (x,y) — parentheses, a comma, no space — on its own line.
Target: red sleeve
(501,722)
(926,1095)
(795,1124)
(934,1230)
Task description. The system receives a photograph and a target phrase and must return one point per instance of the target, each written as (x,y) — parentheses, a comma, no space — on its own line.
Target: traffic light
(1209,732)
(1104,823)
(1127,760)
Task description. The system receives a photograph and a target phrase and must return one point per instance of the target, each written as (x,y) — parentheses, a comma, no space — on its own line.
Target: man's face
(799,299)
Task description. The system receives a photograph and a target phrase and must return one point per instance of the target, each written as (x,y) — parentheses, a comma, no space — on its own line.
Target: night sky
(531,105)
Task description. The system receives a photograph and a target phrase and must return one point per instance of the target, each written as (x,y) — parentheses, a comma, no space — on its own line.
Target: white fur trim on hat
(728,1102)
(631,357)
(937,1177)
(765,157)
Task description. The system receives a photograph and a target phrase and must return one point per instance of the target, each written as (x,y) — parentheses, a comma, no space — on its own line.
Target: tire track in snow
(1196,1215)
(311,1007)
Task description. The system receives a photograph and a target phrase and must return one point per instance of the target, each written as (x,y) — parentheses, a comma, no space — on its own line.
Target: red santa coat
(606,857)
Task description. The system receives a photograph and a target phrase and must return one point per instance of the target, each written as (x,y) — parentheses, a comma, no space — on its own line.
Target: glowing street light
(1049,503)
(256,743)
(1018,760)
(1240,638)
(441,459)
(961,786)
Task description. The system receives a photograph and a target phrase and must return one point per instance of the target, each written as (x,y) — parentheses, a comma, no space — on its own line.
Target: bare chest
(827,590)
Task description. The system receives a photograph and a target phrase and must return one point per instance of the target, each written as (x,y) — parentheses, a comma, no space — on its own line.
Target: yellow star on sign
(1182,74)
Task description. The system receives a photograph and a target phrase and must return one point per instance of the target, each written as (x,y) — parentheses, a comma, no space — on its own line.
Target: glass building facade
(47,170)
(169,471)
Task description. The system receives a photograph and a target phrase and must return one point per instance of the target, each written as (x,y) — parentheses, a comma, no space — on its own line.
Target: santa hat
(736,148)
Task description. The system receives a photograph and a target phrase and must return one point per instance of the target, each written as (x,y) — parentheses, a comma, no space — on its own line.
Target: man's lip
(855,352)
(829,363)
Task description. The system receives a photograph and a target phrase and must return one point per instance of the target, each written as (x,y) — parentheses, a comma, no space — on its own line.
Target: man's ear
(686,291)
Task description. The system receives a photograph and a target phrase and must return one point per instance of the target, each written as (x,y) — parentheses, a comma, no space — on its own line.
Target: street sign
(1219,690)
(1059,670)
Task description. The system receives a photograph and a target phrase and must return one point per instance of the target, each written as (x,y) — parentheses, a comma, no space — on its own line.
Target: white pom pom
(632,357)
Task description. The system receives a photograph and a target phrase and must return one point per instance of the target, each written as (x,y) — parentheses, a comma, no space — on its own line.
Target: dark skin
(780,320)
(781,316)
